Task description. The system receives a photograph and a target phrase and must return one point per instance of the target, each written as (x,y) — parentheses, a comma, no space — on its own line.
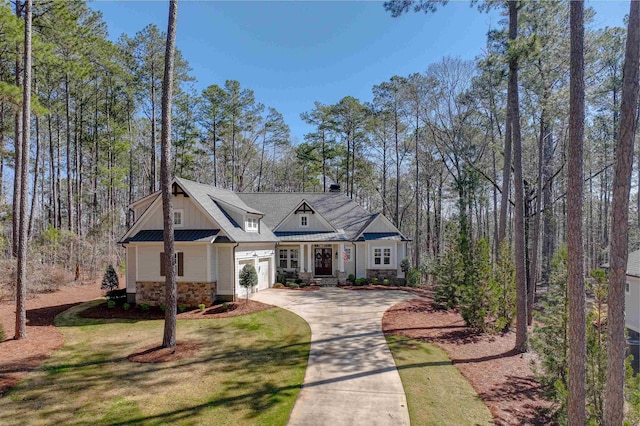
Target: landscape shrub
(294,285)
(413,277)
(385,282)
(360,281)
(374,280)
(111,304)
(298,281)
(110,279)
(351,278)
(278,285)
(126,306)
(119,296)
(201,306)
(225,306)
(163,307)
(182,307)
(143,307)
(405,265)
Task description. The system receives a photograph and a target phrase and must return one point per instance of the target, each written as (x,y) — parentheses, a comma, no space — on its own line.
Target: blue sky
(292,53)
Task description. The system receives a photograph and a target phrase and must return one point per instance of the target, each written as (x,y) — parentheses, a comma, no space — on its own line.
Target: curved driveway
(351,378)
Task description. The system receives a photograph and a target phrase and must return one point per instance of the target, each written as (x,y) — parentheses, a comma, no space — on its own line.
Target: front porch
(322,263)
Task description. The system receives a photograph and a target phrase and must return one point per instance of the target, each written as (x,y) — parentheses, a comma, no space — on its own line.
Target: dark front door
(323,261)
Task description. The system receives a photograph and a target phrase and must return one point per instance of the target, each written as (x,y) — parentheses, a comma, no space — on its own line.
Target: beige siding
(225,269)
(402,253)
(131,269)
(140,208)
(193,216)
(361,260)
(632,304)
(349,267)
(195,262)
(293,224)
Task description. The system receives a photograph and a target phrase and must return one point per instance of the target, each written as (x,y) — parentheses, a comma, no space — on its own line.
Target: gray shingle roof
(205,196)
(342,212)
(311,236)
(180,235)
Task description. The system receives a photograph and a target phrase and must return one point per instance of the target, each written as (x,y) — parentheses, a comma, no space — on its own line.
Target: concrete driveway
(351,378)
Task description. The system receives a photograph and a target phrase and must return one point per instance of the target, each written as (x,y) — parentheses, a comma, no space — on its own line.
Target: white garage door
(263,274)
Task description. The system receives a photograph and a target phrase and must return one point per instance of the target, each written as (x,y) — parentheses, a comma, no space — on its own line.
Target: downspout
(235,270)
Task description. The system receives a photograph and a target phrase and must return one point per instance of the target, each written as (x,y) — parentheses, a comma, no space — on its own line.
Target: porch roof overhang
(180,235)
(311,236)
(377,236)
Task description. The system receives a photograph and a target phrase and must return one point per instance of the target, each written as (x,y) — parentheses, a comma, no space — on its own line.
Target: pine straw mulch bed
(221,310)
(502,378)
(19,357)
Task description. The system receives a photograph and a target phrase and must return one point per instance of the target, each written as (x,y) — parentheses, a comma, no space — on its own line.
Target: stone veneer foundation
(191,293)
(381,274)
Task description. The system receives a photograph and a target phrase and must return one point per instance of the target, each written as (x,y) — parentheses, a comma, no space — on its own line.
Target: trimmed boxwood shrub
(360,281)
(351,278)
(278,285)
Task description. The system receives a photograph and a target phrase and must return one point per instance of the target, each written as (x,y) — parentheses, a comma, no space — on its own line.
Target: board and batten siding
(632,304)
(292,224)
(225,270)
(193,217)
(195,262)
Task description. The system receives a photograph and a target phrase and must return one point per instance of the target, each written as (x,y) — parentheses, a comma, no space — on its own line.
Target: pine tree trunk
(519,231)
(575,282)
(17,182)
(614,394)
(153,178)
(67,100)
(21,273)
(169,338)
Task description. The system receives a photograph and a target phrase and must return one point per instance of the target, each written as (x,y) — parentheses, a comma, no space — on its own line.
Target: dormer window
(178,218)
(304,220)
(251,224)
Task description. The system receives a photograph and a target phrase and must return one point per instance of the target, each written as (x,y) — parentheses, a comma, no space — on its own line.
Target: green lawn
(249,371)
(437,394)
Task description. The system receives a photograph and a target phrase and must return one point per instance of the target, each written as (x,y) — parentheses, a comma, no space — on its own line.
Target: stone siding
(381,274)
(190,294)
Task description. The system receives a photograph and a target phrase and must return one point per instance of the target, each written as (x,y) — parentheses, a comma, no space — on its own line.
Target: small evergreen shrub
(182,307)
(298,281)
(163,308)
(385,282)
(225,306)
(405,265)
(248,278)
(360,281)
(126,306)
(374,280)
(143,307)
(413,277)
(351,278)
(201,306)
(278,285)
(111,304)
(110,279)
(294,285)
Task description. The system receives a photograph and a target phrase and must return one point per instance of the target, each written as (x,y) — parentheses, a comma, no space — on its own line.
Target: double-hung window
(178,218)
(304,221)
(252,224)
(382,256)
(288,259)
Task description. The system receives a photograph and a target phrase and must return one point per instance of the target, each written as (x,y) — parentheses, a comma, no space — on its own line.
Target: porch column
(341,257)
(301,258)
(309,258)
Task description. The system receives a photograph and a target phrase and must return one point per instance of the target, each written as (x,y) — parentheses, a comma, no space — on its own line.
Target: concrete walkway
(351,378)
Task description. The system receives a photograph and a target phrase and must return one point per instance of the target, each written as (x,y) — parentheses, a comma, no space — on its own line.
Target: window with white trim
(627,288)
(251,224)
(304,221)
(178,218)
(288,258)
(381,256)
(347,254)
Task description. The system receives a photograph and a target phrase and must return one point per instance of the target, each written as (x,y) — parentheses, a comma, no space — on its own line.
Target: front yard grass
(249,370)
(437,394)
